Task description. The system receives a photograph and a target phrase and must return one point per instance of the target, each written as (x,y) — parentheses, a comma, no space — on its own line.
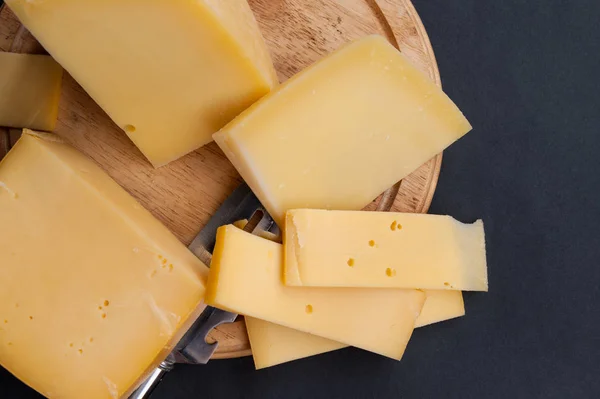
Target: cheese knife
(193,348)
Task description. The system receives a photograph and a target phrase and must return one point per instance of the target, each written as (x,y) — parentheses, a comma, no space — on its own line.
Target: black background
(525,73)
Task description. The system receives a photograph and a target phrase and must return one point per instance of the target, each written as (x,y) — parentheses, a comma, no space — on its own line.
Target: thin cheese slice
(169,73)
(94,292)
(383,249)
(29,91)
(342,131)
(273,344)
(245,277)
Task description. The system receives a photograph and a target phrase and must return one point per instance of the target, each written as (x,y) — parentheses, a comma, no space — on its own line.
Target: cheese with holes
(94,292)
(383,249)
(342,131)
(169,73)
(29,91)
(273,344)
(245,278)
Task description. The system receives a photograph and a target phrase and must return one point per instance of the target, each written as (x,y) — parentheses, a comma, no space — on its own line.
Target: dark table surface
(526,75)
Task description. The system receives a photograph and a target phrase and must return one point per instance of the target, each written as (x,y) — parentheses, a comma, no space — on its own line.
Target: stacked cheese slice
(334,137)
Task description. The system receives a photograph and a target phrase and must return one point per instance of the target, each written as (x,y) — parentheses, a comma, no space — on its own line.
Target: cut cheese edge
(245,278)
(91,285)
(169,76)
(342,131)
(383,249)
(29,91)
(441,306)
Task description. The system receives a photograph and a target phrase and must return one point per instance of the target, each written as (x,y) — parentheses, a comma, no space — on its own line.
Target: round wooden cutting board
(184,194)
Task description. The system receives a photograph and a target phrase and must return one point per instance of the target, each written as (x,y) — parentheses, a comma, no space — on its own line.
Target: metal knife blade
(193,348)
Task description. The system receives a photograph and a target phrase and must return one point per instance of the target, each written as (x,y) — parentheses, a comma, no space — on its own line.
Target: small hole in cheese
(390,272)
(351,262)
(447,284)
(170,267)
(393,225)
(130,128)
(5,321)
(372,243)
(99,307)
(106,303)
(309,309)
(104,315)
(71,345)
(30,317)
(399,226)
(80,351)
(91,340)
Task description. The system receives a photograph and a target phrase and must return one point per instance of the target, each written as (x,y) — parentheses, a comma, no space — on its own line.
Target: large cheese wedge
(245,277)
(342,131)
(383,249)
(94,291)
(169,73)
(29,91)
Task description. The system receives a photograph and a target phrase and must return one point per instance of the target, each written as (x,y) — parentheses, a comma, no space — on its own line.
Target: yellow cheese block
(94,291)
(169,73)
(342,131)
(245,277)
(29,91)
(383,249)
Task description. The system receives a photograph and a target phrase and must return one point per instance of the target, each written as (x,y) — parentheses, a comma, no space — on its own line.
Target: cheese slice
(94,292)
(342,131)
(245,278)
(29,91)
(169,73)
(383,249)
(273,344)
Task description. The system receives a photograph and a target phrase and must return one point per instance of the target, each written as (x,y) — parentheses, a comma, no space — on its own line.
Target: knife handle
(145,390)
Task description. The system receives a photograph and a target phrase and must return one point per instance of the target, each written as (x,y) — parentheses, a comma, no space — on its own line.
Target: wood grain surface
(184,194)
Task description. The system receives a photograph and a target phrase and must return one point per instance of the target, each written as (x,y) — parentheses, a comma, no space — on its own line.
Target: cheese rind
(169,76)
(29,91)
(94,291)
(245,277)
(342,131)
(383,249)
